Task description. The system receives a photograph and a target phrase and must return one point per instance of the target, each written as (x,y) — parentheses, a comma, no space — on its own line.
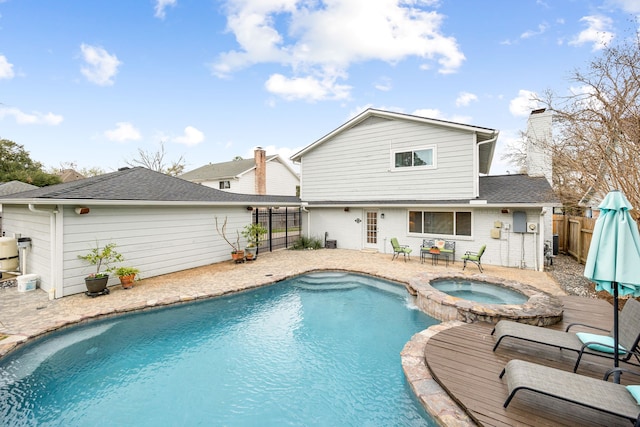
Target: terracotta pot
(127,281)
(96,284)
(237,256)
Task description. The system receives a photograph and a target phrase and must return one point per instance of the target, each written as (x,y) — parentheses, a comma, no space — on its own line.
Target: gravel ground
(569,274)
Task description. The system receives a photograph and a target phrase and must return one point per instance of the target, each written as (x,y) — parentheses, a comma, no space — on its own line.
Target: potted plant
(100,257)
(127,276)
(254,233)
(237,254)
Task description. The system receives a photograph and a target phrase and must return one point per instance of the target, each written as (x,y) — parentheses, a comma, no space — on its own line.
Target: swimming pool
(320,349)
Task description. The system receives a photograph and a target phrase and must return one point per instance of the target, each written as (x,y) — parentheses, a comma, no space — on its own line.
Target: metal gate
(283,225)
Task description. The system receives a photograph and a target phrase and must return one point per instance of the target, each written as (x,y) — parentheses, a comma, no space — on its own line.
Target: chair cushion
(603,343)
(635,392)
(440,244)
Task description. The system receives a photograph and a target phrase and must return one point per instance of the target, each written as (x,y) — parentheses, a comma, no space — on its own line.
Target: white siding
(280,181)
(157,240)
(37,226)
(357,164)
(510,250)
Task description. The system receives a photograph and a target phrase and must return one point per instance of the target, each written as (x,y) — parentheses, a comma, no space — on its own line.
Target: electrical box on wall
(532,227)
(519,222)
(495,233)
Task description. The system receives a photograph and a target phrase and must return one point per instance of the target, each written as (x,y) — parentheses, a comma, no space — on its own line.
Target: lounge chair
(581,342)
(474,257)
(398,249)
(611,398)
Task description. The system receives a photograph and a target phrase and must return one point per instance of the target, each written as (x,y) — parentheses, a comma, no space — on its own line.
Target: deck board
(462,361)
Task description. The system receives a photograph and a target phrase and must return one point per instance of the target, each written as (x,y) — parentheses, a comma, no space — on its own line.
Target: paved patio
(26,315)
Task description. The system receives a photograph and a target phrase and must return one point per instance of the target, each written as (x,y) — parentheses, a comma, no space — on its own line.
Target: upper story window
(224,185)
(424,157)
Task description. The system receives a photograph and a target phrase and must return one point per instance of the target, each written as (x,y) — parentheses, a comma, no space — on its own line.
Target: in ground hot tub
(464,302)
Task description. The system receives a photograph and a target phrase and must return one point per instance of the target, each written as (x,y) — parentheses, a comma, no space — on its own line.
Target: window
(225,185)
(423,157)
(441,223)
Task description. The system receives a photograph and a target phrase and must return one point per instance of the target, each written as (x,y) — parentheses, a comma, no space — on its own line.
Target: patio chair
(581,342)
(601,395)
(474,257)
(398,249)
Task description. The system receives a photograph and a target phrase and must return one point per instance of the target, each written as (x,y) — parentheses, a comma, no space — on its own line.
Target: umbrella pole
(616,362)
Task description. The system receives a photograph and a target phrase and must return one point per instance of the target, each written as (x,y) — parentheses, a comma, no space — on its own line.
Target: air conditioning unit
(532,227)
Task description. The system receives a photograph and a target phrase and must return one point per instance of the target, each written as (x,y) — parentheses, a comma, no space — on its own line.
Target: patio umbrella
(613,262)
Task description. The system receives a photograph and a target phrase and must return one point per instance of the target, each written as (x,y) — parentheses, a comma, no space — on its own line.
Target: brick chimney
(539,135)
(261,171)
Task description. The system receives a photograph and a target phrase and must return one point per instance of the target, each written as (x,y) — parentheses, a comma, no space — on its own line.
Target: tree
(86,172)
(155,160)
(596,147)
(17,165)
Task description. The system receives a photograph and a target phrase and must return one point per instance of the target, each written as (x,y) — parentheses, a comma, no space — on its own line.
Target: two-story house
(261,175)
(383,175)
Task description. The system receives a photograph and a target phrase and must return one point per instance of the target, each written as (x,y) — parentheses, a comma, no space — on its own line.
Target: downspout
(53,250)
(476,182)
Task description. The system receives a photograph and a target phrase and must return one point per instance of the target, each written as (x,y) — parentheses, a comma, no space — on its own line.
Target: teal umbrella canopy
(614,254)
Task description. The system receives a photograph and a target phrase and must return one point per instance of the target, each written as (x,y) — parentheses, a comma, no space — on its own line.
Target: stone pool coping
(541,309)
(436,401)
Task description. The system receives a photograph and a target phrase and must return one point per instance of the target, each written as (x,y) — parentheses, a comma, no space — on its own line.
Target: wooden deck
(463,363)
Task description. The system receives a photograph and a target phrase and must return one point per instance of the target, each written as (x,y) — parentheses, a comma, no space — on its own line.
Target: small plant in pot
(101,257)
(237,254)
(127,276)
(254,233)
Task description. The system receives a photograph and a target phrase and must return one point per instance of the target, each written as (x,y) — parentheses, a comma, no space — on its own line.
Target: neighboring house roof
(13,187)
(486,136)
(507,190)
(228,170)
(140,186)
(68,175)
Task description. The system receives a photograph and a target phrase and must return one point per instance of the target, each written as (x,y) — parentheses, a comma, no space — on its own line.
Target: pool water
(478,291)
(320,349)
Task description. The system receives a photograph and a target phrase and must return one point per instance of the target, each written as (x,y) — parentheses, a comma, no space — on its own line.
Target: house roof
(140,186)
(228,170)
(486,137)
(498,190)
(67,175)
(13,187)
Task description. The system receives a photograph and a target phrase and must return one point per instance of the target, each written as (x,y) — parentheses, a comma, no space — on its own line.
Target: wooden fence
(574,235)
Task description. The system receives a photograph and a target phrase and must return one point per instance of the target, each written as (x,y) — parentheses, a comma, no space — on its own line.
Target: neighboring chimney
(539,136)
(261,171)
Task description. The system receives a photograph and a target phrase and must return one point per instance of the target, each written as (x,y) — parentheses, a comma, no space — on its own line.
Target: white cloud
(532,33)
(6,68)
(35,118)
(384,84)
(465,98)
(631,6)
(161,5)
(309,38)
(309,88)
(597,32)
(191,136)
(522,105)
(100,67)
(123,132)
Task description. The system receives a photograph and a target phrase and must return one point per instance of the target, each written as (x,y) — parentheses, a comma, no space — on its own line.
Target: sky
(93,82)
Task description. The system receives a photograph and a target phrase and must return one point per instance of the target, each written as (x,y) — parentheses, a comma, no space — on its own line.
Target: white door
(371,229)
